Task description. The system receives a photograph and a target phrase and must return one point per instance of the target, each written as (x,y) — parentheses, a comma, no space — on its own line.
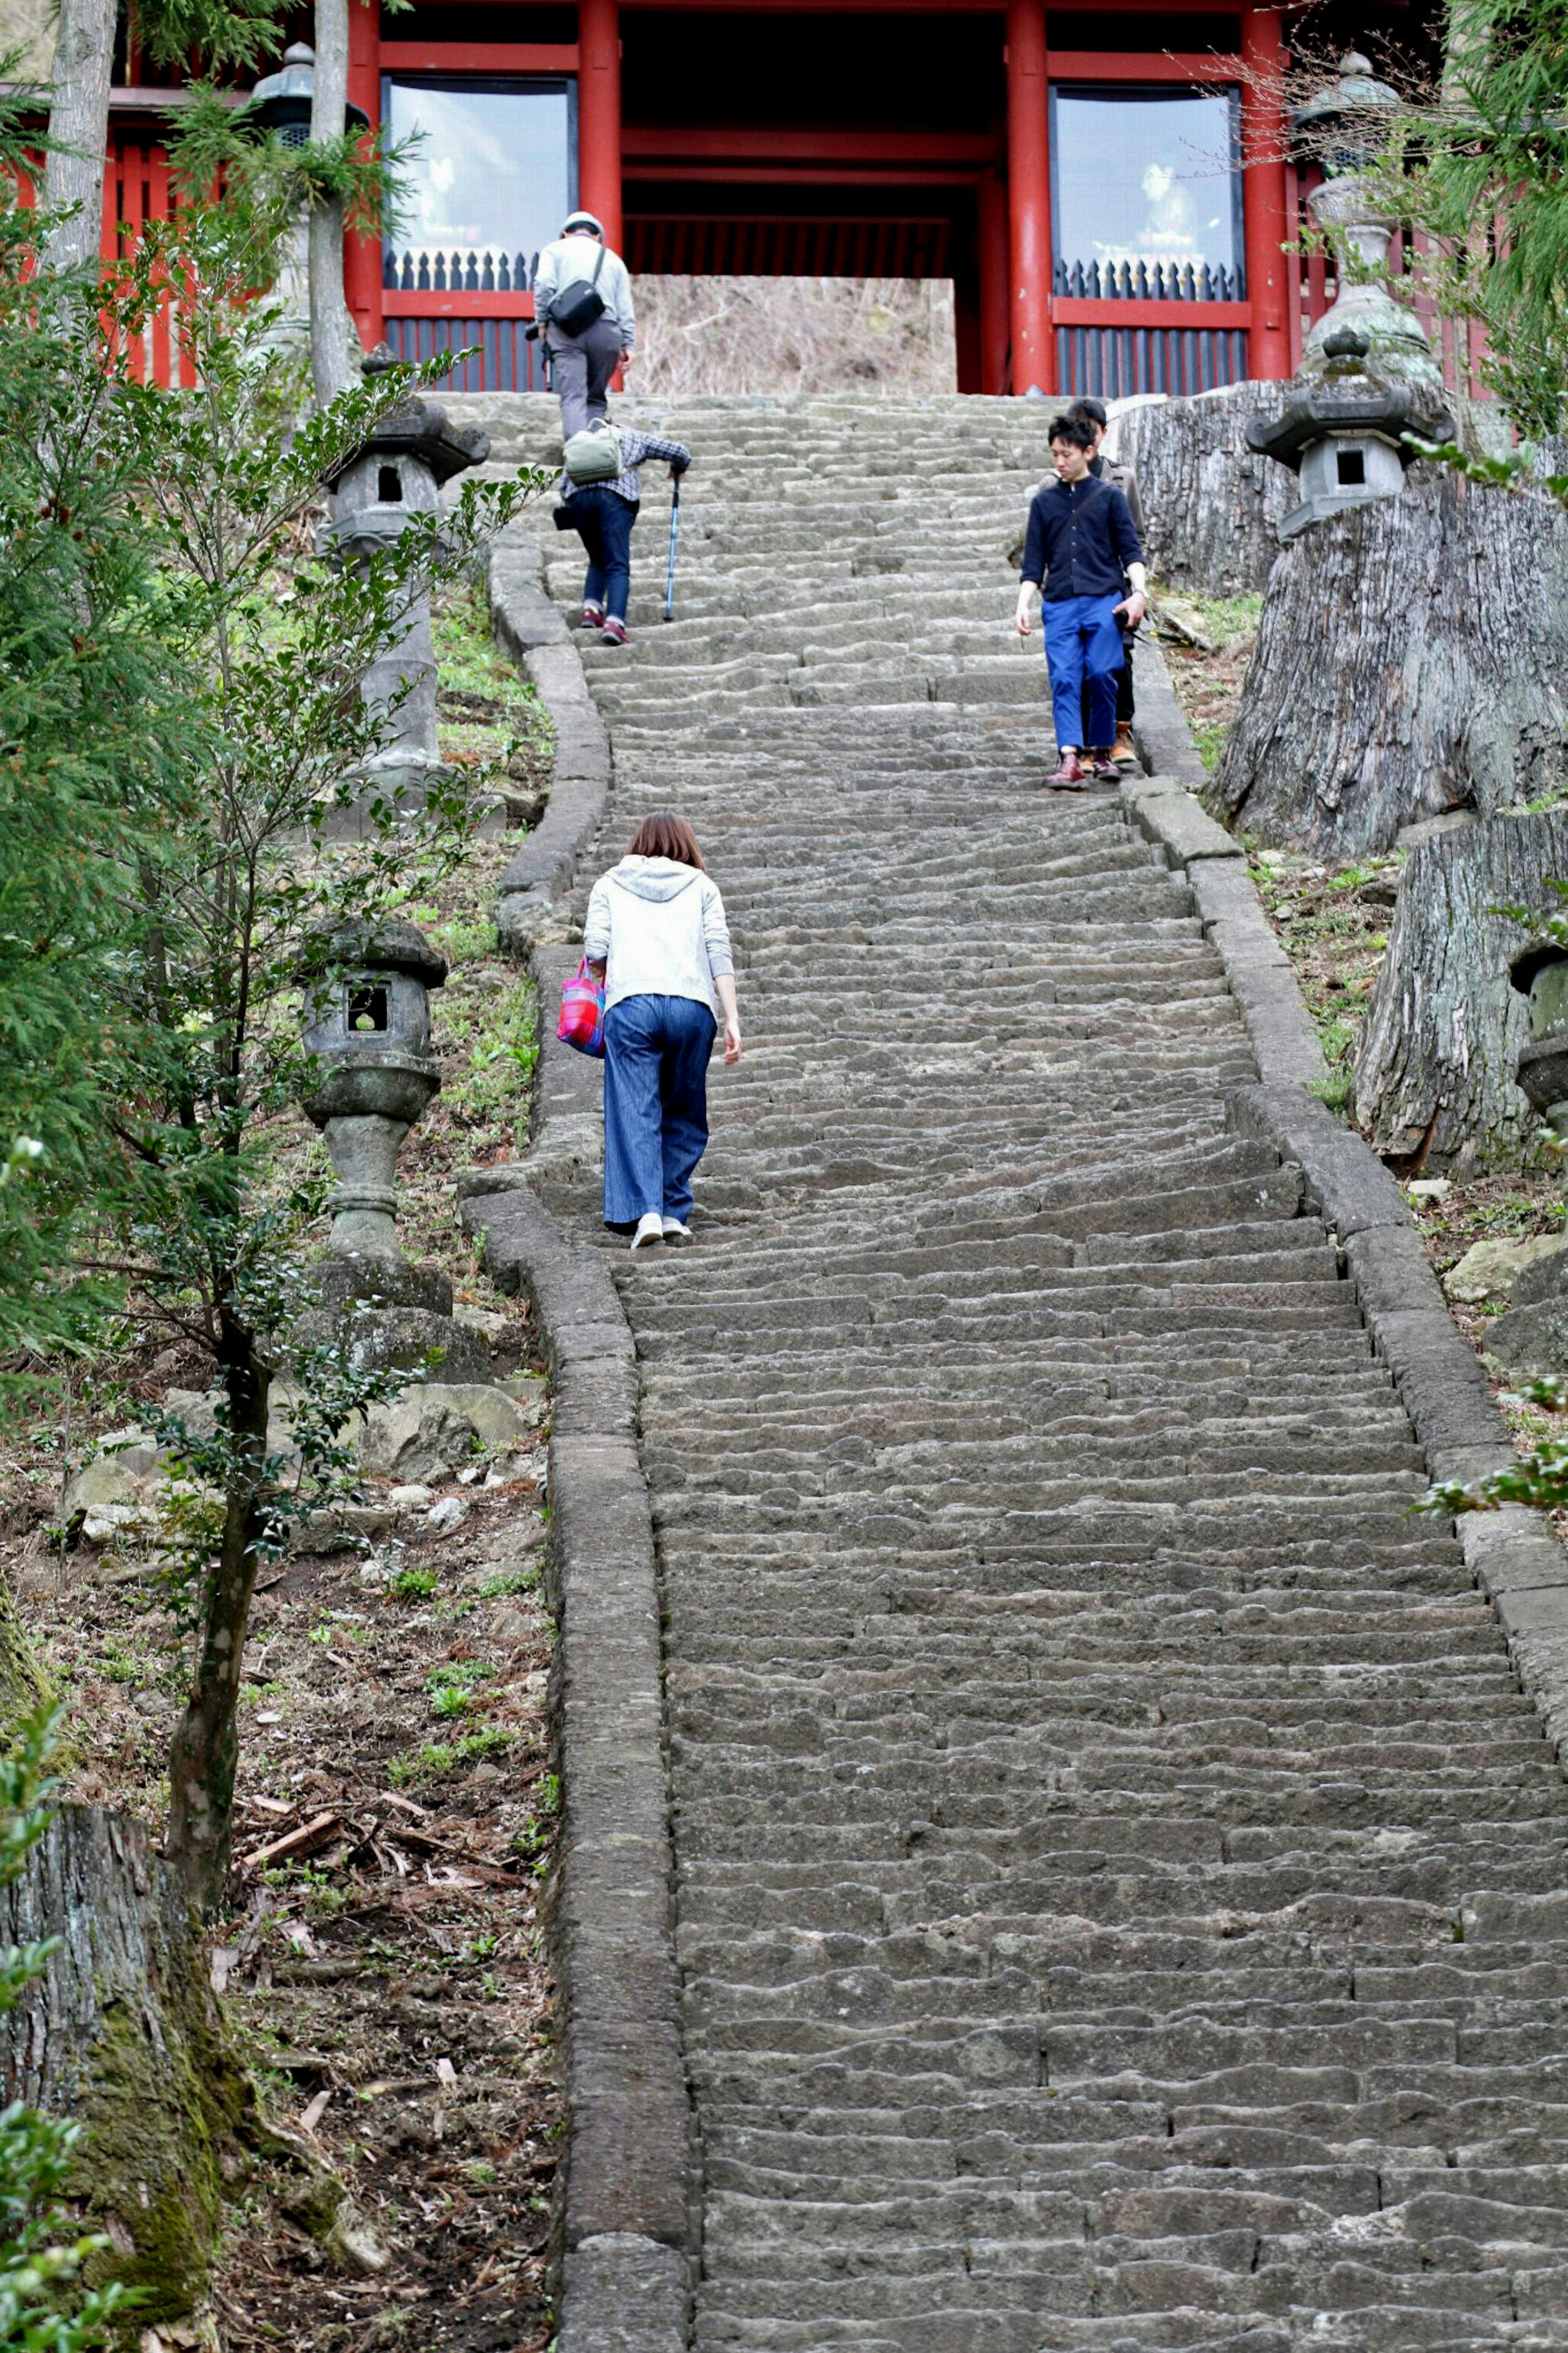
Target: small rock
(1270,858)
(123,1473)
(337,1526)
(1490,1269)
(448,1513)
(510,1624)
(488,1322)
(413,1497)
(1428,1188)
(531,1391)
(436,1426)
(1383,890)
(106,1524)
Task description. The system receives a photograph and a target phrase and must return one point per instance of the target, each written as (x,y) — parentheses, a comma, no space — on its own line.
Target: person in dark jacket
(1080,551)
(1109,470)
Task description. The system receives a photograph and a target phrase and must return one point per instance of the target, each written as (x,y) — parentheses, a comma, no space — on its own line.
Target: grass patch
(413,1584)
(438,1757)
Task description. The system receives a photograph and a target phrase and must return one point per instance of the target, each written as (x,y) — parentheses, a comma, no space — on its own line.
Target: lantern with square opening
(367,1030)
(367,1025)
(396,475)
(1344,432)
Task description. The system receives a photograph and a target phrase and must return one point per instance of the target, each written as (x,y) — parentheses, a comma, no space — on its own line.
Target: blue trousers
(1083,644)
(656,1104)
(602,520)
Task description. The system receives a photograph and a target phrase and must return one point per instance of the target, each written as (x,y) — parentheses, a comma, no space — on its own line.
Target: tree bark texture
(1213,505)
(1412,659)
(1434,1072)
(122,2032)
(334,341)
(78,129)
(204,1756)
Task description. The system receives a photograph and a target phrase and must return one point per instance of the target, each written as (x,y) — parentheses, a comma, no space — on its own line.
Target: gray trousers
(584,365)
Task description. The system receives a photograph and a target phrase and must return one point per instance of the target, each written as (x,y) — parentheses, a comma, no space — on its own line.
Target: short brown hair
(662,834)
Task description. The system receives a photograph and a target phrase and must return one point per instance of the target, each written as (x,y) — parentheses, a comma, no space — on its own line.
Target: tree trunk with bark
(1412,659)
(78,129)
(335,340)
(1213,505)
(1434,1070)
(204,1756)
(122,2032)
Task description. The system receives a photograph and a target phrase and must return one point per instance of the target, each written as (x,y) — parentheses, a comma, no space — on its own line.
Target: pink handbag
(581,1022)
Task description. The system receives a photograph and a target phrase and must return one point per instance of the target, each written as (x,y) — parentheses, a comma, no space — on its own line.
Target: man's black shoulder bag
(579,315)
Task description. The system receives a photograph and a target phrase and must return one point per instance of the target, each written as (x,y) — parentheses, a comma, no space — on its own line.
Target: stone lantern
(1532,1339)
(1367,376)
(1342,432)
(367,1027)
(396,474)
(280,102)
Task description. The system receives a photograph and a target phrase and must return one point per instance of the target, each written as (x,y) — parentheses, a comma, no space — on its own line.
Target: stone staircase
(1121,1888)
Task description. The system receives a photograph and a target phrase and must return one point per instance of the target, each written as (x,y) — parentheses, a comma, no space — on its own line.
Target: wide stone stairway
(1122,1887)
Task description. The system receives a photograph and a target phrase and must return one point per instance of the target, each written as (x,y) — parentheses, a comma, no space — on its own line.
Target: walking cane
(669,576)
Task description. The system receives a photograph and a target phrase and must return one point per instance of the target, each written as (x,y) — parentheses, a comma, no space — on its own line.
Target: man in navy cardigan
(1081,544)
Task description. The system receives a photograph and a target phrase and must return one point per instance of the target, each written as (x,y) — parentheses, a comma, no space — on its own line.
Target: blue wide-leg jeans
(1082,642)
(656,1106)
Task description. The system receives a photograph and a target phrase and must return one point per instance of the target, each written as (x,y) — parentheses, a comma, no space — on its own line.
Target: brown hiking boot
(1124,752)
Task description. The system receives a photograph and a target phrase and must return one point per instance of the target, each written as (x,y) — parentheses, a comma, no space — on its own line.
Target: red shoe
(1102,767)
(1070,774)
(614,632)
(593,616)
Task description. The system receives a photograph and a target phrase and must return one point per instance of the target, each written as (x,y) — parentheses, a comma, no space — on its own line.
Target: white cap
(583,220)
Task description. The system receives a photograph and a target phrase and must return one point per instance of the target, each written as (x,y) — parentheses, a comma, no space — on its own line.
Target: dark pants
(602,520)
(656,1106)
(582,366)
(1123,689)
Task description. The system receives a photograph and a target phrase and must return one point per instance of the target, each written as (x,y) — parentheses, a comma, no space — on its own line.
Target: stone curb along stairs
(1514,1558)
(628,2214)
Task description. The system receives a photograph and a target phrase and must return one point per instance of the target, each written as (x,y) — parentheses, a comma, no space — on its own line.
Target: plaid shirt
(636,449)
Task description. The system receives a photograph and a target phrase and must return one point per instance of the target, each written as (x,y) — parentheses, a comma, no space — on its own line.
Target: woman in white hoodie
(656,933)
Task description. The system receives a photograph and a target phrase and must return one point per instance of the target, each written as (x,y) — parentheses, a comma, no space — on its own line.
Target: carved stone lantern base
(393,1315)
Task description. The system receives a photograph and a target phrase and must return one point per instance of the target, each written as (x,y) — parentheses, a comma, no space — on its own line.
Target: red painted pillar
(993,311)
(599,114)
(1030,198)
(361,255)
(1263,145)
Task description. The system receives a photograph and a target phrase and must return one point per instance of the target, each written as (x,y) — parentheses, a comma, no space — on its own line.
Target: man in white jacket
(577,262)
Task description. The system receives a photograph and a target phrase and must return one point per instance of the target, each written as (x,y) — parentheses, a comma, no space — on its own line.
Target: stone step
(1118,1875)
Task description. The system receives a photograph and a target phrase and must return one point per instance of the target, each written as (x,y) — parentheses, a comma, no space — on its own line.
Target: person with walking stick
(603,513)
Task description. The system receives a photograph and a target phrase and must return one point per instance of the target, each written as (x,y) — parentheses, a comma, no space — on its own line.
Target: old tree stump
(1434,1070)
(1412,659)
(122,2032)
(1213,505)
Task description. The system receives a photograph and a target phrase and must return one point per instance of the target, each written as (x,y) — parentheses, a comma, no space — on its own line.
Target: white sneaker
(675,1233)
(650,1229)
